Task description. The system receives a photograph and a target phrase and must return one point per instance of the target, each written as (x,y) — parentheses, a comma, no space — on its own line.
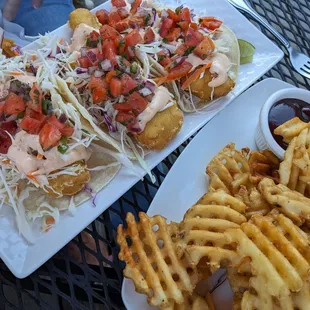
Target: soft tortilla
(99,179)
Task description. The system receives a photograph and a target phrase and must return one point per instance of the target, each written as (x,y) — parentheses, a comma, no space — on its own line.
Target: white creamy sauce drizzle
(158,103)
(196,61)
(79,37)
(220,66)
(4,89)
(27,163)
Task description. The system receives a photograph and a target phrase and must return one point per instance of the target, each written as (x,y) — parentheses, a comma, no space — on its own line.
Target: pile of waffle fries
(253,221)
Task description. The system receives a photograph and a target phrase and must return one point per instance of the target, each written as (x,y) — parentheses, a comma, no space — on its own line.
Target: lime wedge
(247,51)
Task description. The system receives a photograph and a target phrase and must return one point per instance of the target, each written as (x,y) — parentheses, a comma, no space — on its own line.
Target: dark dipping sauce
(284,110)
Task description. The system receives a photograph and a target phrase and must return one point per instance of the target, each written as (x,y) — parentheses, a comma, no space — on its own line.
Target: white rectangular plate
(22,258)
(186,182)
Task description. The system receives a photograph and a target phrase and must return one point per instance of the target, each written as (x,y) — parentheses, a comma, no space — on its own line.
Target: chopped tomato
(110,75)
(114,18)
(122,25)
(193,37)
(133,38)
(194,26)
(115,87)
(109,51)
(14,104)
(211,23)
(124,107)
(149,35)
(129,52)
(34,106)
(33,114)
(108,33)
(205,48)
(173,34)
(123,13)
(183,25)
(181,50)
(9,126)
(185,15)
(134,6)
(94,36)
(1,108)
(163,59)
(5,142)
(98,89)
(165,26)
(118,3)
(135,21)
(49,136)
(103,16)
(31,125)
(128,83)
(67,131)
(84,62)
(137,103)
(54,121)
(179,71)
(174,16)
(125,118)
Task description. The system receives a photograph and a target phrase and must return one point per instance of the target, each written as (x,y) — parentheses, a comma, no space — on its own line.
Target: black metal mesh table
(86,274)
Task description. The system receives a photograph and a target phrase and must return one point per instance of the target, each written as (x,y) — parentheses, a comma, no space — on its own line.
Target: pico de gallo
(120,68)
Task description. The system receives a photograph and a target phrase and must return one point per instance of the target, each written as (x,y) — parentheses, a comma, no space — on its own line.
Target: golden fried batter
(83,16)
(162,128)
(70,185)
(201,89)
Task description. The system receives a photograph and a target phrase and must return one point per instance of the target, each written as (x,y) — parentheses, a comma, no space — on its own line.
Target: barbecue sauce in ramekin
(284,110)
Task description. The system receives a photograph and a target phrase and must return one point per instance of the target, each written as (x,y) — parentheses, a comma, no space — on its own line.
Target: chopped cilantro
(134,68)
(189,50)
(165,40)
(36,92)
(46,106)
(161,57)
(64,140)
(63,148)
(147,19)
(200,20)
(20,115)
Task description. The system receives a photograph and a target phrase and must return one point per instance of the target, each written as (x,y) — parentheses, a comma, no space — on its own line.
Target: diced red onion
(11,118)
(106,65)
(135,129)
(62,118)
(33,69)
(92,69)
(145,91)
(98,74)
(142,11)
(179,61)
(151,86)
(83,51)
(81,70)
(108,121)
(192,14)
(164,13)
(91,56)
(154,16)
(17,49)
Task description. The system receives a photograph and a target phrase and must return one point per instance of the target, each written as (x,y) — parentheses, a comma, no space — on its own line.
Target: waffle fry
(229,169)
(254,201)
(195,302)
(279,258)
(151,261)
(291,129)
(220,197)
(293,204)
(263,164)
(202,236)
(295,169)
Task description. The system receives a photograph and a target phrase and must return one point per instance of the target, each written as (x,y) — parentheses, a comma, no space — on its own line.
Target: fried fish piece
(162,128)
(66,184)
(201,89)
(83,16)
